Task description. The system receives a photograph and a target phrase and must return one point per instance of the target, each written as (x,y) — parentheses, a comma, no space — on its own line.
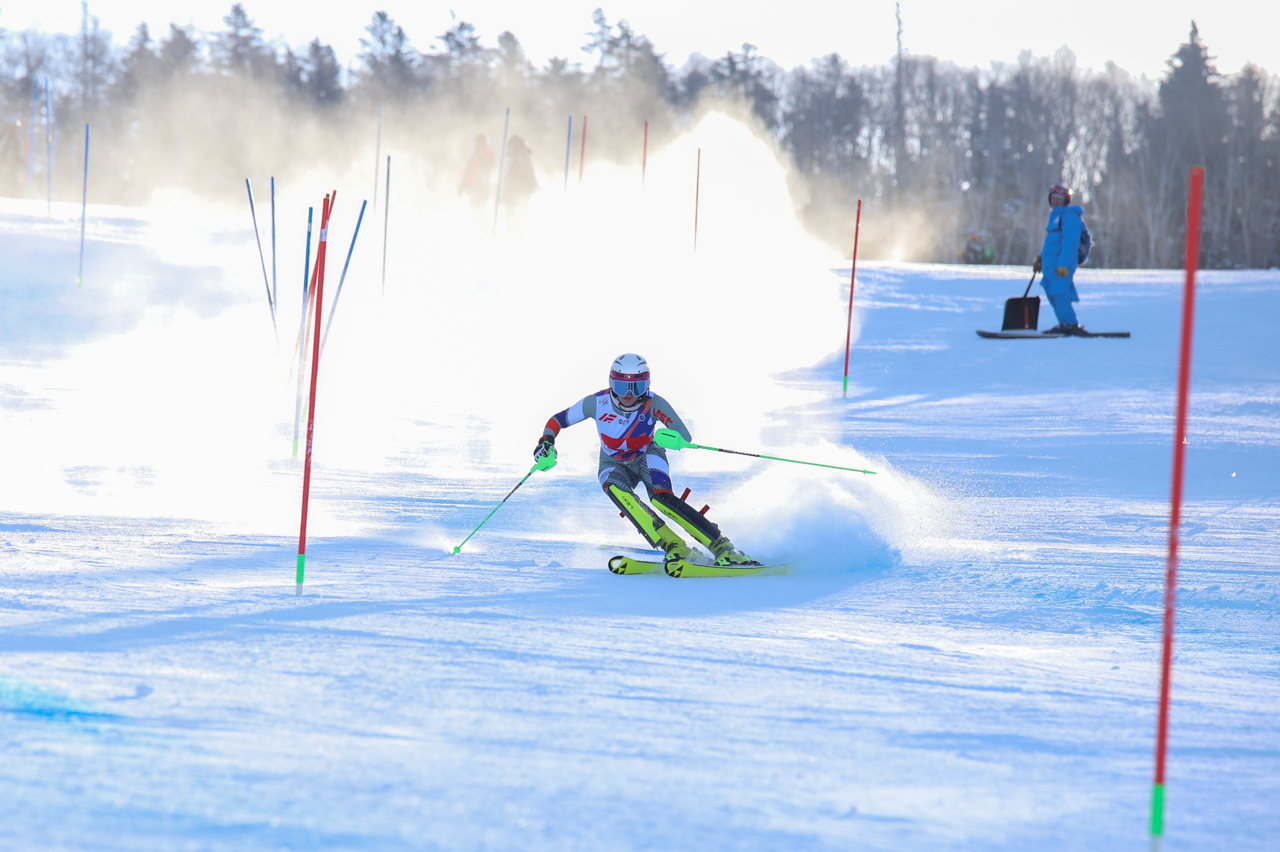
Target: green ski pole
(545,463)
(669,439)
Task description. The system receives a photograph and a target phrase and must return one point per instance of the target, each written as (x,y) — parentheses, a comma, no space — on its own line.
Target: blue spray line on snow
(265,281)
(334,309)
(502,163)
(84,207)
(568,150)
(302,327)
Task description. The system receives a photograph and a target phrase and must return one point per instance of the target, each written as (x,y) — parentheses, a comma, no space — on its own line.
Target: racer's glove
(546,447)
(1063,272)
(1035,264)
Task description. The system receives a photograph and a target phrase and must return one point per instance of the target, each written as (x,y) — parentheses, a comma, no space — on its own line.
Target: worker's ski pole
(669,439)
(545,463)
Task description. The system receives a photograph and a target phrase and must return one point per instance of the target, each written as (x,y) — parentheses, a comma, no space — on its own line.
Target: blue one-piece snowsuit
(1061,248)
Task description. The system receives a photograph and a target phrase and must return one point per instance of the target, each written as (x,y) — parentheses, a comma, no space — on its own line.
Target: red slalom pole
(582,155)
(644,158)
(853,274)
(315,371)
(1191,262)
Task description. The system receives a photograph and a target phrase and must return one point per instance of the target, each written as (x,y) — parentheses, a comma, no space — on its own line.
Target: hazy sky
(1138,36)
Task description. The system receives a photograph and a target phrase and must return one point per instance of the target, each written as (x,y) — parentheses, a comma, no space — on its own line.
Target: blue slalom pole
(84,207)
(568,150)
(502,164)
(334,309)
(274,294)
(302,328)
(265,281)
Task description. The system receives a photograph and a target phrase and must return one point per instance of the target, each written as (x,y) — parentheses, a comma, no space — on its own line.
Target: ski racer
(626,414)
(1059,258)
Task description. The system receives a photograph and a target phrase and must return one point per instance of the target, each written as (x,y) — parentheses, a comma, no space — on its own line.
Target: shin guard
(646,522)
(704,531)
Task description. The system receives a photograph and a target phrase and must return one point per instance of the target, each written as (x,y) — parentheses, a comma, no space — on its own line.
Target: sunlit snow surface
(966,656)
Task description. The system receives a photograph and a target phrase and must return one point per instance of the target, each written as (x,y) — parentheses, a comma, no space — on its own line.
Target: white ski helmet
(629,374)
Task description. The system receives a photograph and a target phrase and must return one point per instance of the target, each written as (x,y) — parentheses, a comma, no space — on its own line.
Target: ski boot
(673,545)
(723,552)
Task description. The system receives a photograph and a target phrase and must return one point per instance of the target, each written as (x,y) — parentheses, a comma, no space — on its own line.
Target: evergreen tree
(240,48)
(390,64)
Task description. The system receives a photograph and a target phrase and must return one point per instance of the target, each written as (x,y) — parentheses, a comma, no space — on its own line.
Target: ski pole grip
(670,439)
(545,462)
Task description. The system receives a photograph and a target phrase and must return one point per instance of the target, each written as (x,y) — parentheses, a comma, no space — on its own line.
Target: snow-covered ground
(965,657)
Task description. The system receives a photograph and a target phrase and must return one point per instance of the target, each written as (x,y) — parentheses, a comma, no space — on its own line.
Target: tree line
(947,155)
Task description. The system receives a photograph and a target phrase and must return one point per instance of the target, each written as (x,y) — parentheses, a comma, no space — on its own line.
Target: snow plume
(827,521)
(184,405)
(491,336)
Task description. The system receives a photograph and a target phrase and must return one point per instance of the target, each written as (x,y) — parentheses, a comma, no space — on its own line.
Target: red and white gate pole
(315,370)
(1191,262)
(853,275)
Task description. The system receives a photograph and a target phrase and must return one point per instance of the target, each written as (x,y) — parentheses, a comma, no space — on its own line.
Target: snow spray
(644,156)
(48,150)
(582,155)
(697,198)
(84,207)
(315,371)
(377,159)
(266,282)
(386,222)
(853,274)
(502,164)
(338,295)
(302,330)
(31,139)
(568,151)
(1191,262)
(274,293)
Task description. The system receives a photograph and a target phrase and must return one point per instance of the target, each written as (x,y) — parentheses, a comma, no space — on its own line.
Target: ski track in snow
(974,667)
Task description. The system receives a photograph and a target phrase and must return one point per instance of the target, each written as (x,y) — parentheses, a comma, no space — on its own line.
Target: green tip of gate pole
(844,394)
(302,561)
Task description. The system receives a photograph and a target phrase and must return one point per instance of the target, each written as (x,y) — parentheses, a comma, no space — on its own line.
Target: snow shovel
(1022,314)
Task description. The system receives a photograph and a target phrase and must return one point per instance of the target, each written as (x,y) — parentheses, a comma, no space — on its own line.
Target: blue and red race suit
(624,435)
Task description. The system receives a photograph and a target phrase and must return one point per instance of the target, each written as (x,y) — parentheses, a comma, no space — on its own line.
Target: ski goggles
(635,387)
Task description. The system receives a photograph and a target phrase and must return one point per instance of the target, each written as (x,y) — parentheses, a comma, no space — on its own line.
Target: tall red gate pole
(321,251)
(582,155)
(1191,262)
(853,275)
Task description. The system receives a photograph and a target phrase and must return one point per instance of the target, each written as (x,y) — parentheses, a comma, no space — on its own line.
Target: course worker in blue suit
(1059,258)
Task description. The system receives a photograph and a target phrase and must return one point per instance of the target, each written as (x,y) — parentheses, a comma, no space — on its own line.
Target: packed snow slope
(964,658)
